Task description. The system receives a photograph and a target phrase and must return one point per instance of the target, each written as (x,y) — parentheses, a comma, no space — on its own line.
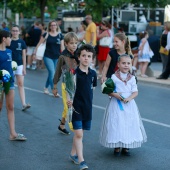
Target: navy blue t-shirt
(17,46)
(113,64)
(35,35)
(53,46)
(5,62)
(84,94)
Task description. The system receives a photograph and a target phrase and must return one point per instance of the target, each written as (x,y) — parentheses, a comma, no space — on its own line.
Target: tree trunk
(42,6)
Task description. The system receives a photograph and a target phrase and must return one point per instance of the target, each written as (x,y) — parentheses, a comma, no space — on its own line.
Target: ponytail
(128,47)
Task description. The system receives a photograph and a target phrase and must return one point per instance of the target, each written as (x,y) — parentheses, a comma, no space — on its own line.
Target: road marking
(103,108)
(146,120)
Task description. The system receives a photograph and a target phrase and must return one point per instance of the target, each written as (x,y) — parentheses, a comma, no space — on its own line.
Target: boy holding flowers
(86,80)
(66,62)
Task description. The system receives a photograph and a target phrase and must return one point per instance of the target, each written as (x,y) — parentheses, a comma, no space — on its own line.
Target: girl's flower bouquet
(4,82)
(70,82)
(108,86)
(14,65)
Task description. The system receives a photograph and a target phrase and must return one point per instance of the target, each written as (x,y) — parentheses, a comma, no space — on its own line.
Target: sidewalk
(156,67)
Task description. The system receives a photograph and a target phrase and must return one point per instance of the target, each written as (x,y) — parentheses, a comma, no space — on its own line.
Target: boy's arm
(58,71)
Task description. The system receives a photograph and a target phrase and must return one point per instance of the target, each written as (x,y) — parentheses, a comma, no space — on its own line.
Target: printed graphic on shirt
(10,57)
(19,47)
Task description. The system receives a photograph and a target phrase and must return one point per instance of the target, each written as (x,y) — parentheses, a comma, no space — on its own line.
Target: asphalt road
(47,149)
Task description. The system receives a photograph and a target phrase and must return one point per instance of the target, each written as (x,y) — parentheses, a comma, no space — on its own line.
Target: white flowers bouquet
(14,65)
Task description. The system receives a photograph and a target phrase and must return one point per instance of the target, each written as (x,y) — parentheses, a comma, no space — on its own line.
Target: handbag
(41,49)
(162,51)
(151,54)
(105,41)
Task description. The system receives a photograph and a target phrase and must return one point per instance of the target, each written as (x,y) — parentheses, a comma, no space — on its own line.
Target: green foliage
(30,8)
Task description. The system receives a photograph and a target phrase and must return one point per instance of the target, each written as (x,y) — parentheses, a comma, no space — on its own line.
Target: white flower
(4,72)
(14,65)
(84,42)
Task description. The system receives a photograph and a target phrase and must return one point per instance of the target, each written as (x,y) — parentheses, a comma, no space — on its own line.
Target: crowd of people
(75,53)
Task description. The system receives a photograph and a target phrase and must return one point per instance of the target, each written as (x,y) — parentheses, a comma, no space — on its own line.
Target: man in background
(91,31)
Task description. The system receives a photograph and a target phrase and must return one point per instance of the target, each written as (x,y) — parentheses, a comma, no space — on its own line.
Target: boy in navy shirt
(18,48)
(86,80)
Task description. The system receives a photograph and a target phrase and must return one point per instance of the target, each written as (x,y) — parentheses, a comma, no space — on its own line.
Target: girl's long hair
(123,37)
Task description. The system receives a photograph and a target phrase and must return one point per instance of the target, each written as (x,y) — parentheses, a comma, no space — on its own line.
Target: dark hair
(86,47)
(15,26)
(143,34)
(4,34)
(106,23)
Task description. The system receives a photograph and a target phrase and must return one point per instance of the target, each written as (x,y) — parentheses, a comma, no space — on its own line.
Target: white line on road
(103,108)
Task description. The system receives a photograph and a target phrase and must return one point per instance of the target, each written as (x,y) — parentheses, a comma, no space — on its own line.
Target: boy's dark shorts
(83,124)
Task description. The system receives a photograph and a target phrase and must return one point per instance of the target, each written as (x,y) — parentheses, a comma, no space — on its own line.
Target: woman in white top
(104,50)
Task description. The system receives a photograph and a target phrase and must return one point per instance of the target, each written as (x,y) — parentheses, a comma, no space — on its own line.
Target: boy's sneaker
(63,131)
(83,165)
(74,159)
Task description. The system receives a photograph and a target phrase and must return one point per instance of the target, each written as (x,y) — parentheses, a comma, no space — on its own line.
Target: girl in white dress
(122,126)
(145,53)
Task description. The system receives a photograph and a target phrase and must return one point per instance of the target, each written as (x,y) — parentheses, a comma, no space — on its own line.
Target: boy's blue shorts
(84,124)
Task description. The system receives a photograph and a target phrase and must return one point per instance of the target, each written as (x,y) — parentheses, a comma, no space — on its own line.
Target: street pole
(112,22)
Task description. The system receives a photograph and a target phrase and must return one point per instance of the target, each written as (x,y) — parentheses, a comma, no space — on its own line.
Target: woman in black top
(54,47)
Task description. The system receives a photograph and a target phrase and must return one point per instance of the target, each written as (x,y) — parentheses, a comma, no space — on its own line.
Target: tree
(31,7)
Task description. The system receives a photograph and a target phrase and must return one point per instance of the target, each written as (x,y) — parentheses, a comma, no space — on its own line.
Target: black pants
(166,73)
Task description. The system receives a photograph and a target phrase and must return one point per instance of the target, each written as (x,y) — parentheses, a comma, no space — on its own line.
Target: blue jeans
(51,66)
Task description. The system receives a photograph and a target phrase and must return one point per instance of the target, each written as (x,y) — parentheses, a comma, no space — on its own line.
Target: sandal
(125,152)
(117,152)
(25,107)
(19,137)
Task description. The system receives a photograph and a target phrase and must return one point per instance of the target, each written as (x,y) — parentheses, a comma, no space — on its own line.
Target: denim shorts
(84,124)
(12,86)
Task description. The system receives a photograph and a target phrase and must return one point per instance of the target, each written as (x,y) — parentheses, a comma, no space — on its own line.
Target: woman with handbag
(166,73)
(163,42)
(105,37)
(54,47)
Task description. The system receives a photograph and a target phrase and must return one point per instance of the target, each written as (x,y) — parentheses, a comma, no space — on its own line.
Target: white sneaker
(34,67)
(28,66)
(46,91)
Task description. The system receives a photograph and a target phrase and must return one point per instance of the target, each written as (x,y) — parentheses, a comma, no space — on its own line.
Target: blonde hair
(168,25)
(70,36)
(123,37)
(49,24)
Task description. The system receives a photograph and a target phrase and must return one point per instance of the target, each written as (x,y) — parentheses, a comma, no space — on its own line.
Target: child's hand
(69,103)
(55,92)
(116,95)
(103,79)
(126,100)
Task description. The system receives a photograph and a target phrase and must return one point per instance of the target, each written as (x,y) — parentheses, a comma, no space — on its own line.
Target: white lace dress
(144,55)
(122,128)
